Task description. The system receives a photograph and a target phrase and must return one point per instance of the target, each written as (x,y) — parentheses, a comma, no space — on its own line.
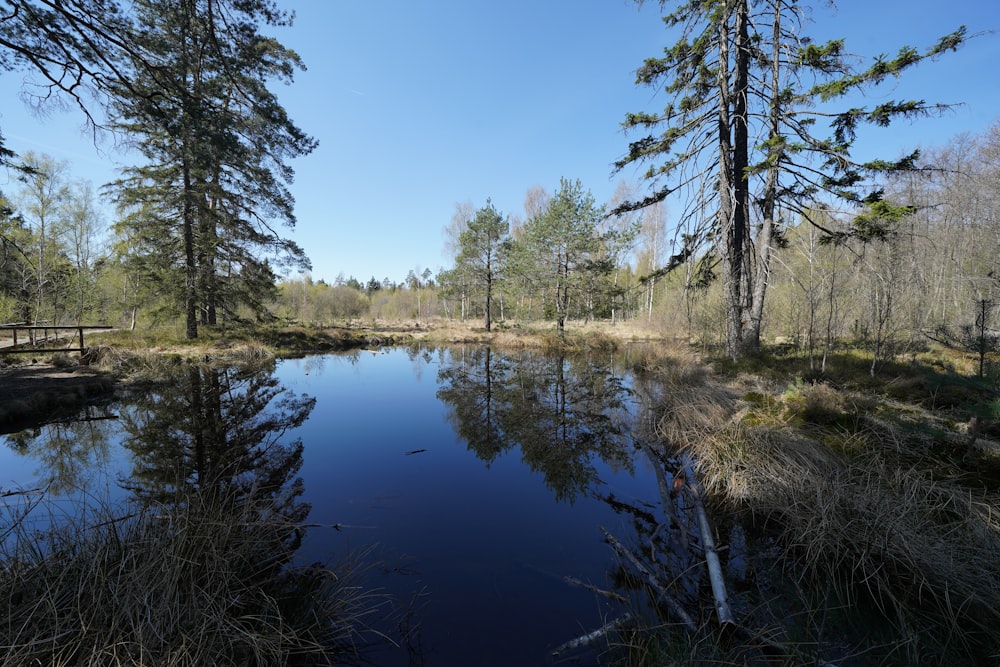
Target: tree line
(752,218)
(933,274)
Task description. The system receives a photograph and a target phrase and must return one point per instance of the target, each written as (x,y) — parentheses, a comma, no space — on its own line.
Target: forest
(884,254)
(934,278)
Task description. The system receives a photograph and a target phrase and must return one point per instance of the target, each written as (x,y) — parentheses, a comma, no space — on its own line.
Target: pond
(473,482)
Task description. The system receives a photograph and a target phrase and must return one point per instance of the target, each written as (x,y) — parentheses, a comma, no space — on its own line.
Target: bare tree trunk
(733,185)
(730,267)
(751,336)
(190,265)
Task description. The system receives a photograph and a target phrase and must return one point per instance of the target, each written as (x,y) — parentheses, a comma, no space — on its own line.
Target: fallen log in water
(672,604)
(708,545)
(590,637)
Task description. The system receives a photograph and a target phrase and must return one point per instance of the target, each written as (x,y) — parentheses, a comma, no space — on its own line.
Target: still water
(479,480)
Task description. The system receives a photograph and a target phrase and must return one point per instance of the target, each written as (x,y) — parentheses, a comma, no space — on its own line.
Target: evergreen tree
(562,247)
(480,255)
(73,46)
(216,142)
(739,70)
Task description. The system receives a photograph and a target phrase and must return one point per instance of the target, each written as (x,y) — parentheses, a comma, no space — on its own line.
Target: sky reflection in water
(486,529)
(479,476)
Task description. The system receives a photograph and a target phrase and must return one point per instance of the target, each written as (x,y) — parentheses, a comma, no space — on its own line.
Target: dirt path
(36,393)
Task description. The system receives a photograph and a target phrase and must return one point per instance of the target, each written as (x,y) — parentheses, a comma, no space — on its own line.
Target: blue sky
(421,105)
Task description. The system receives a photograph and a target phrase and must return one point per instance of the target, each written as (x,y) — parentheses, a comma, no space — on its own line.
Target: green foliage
(701,142)
(217,144)
(306,301)
(563,255)
(481,260)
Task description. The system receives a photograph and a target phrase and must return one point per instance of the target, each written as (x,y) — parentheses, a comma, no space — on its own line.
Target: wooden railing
(31,341)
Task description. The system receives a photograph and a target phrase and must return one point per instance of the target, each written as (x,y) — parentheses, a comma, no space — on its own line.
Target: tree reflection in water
(218,431)
(561,411)
(198,568)
(69,451)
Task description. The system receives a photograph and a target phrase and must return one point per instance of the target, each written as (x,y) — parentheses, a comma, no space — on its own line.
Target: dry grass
(205,582)
(865,510)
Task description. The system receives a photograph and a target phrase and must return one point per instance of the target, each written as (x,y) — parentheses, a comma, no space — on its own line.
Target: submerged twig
(611,595)
(590,637)
(668,506)
(672,604)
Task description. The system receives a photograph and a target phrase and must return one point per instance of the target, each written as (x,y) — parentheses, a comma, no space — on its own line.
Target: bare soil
(36,393)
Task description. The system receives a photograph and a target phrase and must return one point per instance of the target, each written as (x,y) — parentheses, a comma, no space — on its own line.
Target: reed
(887,533)
(209,581)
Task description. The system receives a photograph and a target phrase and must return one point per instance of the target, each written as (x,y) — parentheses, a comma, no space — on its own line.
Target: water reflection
(518,458)
(216,429)
(563,412)
(203,550)
(70,451)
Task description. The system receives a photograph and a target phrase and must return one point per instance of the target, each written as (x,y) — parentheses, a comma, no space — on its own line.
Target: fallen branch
(711,553)
(672,604)
(668,506)
(22,492)
(611,595)
(590,637)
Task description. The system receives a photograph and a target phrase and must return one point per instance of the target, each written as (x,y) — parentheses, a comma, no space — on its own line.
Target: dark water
(481,479)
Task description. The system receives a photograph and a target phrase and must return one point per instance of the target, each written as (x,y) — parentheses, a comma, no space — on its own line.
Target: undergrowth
(886,515)
(207,581)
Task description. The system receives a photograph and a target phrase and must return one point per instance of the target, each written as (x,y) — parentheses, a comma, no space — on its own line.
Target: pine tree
(739,70)
(480,256)
(216,142)
(562,246)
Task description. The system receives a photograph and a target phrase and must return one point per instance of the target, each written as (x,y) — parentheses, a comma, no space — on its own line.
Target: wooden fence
(50,335)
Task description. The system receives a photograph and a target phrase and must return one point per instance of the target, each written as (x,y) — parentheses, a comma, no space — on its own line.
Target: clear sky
(421,105)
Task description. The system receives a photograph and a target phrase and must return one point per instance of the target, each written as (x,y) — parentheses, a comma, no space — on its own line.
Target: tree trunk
(190,263)
(751,335)
(748,339)
(562,294)
(489,297)
(731,263)
(188,213)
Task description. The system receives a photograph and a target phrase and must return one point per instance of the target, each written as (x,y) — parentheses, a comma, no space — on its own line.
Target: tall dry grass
(207,582)
(868,516)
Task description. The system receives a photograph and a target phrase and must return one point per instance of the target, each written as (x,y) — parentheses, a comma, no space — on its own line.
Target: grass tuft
(209,581)
(889,537)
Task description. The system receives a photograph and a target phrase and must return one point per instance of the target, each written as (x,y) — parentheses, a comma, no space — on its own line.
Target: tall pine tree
(480,255)
(216,143)
(562,247)
(741,70)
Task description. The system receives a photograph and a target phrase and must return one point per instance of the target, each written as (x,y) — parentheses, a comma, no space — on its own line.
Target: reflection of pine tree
(208,444)
(218,431)
(200,569)
(561,411)
(468,387)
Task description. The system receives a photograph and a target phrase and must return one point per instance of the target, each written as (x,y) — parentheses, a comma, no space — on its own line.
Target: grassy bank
(206,581)
(857,515)
(862,511)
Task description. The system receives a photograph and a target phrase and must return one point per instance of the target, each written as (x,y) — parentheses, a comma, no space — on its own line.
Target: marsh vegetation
(854,516)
